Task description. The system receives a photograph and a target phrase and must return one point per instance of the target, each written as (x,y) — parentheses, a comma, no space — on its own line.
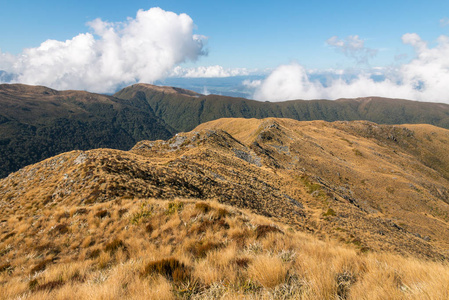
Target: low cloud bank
(143,49)
(208,72)
(424,78)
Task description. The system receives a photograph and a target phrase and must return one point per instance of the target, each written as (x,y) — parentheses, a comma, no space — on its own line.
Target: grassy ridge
(307,210)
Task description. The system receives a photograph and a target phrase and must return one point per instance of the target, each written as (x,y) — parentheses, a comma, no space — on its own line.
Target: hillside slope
(37,122)
(106,222)
(184,111)
(316,176)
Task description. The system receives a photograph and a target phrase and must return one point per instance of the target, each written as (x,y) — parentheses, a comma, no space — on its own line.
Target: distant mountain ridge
(38,122)
(185,112)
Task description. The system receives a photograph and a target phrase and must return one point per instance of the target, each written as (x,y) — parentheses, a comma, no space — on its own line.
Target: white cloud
(252,84)
(353,47)
(425,78)
(208,72)
(143,49)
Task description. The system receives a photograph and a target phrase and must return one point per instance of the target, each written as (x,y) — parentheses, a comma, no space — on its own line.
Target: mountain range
(37,122)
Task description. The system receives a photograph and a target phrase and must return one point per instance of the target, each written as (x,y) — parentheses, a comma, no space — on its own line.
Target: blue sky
(255,35)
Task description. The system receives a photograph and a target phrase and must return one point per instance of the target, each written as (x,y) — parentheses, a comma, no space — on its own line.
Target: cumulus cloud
(208,72)
(352,47)
(424,78)
(141,49)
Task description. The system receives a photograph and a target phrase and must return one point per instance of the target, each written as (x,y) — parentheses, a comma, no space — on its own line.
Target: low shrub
(144,212)
(174,207)
(329,212)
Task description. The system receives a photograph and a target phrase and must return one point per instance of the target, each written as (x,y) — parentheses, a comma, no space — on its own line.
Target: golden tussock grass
(196,250)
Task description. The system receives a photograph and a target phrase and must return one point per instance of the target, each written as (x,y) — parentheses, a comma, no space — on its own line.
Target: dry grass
(268,271)
(190,254)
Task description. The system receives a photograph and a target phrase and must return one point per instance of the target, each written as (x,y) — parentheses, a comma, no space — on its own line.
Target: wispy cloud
(444,22)
(424,78)
(353,47)
(141,49)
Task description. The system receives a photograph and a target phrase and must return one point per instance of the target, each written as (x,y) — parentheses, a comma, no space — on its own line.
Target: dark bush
(149,228)
(102,214)
(113,246)
(94,254)
(4,267)
(221,213)
(170,268)
(60,229)
(7,236)
(81,211)
(40,266)
(263,230)
(49,286)
(122,211)
(64,215)
(210,224)
(200,249)
(242,262)
(203,207)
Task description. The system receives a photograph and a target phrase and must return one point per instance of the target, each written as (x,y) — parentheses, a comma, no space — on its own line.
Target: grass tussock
(185,249)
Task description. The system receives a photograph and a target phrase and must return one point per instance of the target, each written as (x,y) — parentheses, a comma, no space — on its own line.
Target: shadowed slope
(37,122)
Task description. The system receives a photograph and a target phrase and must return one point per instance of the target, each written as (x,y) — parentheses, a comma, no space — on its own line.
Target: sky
(265,50)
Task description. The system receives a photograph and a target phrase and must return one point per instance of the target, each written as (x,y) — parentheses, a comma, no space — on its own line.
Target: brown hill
(38,122)
(375,188)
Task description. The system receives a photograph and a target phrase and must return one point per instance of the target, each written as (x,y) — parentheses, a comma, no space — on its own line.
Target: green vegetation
(144,212)
(311,187)
(329,212)
(184,112)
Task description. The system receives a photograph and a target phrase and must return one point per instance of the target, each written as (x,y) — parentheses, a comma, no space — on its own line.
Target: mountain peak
(24,89)
(146,87)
